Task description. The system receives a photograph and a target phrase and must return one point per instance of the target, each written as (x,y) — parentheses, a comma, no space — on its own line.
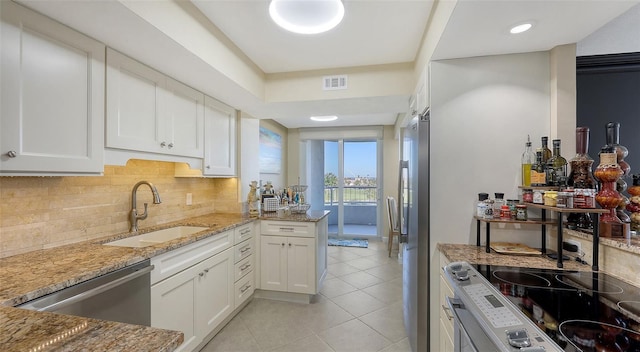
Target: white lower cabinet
(446,318)
(295,261)
(196,299)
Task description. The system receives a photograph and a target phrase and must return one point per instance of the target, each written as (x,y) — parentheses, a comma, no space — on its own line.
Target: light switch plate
(189,198)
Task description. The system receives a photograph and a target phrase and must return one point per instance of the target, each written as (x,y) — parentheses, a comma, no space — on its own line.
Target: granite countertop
(35,274)
(477,255)
(309,216)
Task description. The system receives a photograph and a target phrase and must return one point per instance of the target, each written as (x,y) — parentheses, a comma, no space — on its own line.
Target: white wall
(279,181)
(482,110)
(622,35)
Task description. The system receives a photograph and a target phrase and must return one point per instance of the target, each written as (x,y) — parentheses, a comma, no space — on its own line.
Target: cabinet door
(273,263)
(301,265)
(184,120)
(134,105)
(173,303)
(215,295)
(52,93)
(220,139)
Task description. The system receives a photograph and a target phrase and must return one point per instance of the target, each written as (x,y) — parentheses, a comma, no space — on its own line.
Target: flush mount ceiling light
(323,118)
(520,28)
(306,16)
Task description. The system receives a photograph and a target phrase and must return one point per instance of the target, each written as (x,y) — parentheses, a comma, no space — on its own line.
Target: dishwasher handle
(96,290)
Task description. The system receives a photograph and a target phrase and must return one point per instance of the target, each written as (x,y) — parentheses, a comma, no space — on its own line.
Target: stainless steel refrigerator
(413,207)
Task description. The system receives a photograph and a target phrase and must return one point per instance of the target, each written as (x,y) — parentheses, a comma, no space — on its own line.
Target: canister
(565,200)
(527,195)
(521,212)
(538,196)
(551,198)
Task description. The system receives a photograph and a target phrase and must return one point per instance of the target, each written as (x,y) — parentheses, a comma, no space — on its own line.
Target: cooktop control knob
(455,266)
(518,338)
(462,275)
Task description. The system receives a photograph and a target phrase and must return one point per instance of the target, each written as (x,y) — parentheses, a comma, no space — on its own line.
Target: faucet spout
(133,214)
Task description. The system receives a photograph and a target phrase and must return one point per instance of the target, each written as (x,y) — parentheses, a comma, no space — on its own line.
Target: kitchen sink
(155,237)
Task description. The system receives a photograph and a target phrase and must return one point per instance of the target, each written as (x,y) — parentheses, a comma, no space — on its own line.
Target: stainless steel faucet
(133,214)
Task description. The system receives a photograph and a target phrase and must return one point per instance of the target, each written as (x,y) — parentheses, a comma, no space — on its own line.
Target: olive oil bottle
(528,159)
(538,171)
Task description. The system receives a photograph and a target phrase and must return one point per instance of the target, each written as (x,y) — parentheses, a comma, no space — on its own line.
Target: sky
(359,158)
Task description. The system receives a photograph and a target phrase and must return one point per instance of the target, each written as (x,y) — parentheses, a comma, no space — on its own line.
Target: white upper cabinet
(220,123)
(150,112)
(52,100)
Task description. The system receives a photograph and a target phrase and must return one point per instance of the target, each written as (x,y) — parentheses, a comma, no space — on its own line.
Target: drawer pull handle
(287,229)
(245,249)
(447,312)
(245,267)
(244,232)
(244,289)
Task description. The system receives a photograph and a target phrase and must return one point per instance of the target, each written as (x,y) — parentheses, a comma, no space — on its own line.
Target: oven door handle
(96,290)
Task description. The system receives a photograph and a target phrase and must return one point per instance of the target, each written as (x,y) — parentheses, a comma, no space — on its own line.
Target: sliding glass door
(351,187)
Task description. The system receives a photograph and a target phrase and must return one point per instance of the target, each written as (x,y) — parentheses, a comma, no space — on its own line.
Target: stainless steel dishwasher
(123,295)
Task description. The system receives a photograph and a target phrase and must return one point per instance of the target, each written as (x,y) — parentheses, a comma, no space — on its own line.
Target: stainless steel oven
(123,295)
(485,320)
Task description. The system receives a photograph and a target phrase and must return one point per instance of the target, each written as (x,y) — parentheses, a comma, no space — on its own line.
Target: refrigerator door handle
(403,238)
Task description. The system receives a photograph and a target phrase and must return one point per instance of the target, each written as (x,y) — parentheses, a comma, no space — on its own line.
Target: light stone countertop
(31,275)
(477,255)
(309,216)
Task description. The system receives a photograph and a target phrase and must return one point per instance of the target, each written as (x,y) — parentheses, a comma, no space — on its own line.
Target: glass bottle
(581,177)
(481,205)
(528,159)
(556,166)
(581,165)
(608,173)
(546,152)
(613,140)
(538,174)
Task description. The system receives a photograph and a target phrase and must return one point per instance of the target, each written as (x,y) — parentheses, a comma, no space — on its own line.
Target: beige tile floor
(358,309)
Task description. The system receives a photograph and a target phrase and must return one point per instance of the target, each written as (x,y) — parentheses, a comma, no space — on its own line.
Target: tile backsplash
(44,212)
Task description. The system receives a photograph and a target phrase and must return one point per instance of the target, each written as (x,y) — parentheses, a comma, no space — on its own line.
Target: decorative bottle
(528,159)
(634,203)
(556,167)
(613,140)
(538,174)
(581,177)
(546,152)
(608,172)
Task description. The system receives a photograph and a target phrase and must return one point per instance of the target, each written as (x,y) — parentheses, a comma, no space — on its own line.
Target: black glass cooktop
(581,311)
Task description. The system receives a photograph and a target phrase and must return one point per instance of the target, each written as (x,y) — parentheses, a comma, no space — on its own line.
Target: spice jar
(551,198)
(538,197)
(512,207)
(527,195)
(521,212)
(505,212)
(565,200)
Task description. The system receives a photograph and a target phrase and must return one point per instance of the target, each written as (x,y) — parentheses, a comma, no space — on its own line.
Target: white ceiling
(373,32)
(377,32)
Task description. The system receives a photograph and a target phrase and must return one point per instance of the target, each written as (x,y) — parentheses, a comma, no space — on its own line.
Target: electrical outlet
(577,244)
(189,198)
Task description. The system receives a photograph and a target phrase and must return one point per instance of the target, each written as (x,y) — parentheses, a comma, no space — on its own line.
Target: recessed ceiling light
(306,16)
(523,27)
(323,118)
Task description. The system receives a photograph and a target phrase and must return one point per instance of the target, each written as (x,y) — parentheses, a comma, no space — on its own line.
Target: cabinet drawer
(445,314)
(172,262)
(243,289)
(243,250)
(242,233)
(287,228)
(243,267)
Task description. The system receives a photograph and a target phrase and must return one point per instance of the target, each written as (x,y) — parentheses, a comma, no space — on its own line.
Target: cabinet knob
(12,154)
(170,145)
(163,144)
(206,270)
(283,245)
(201,274)
(208,167)
(289,244)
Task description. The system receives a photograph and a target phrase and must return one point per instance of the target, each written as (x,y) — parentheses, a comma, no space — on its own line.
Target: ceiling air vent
(334,82)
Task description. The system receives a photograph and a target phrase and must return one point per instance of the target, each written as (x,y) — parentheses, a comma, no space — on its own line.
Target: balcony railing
(353,195)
